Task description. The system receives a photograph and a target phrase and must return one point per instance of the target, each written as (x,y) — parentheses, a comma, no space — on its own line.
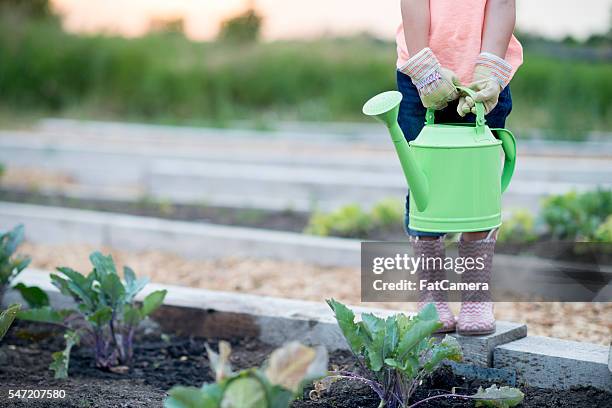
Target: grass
(164,78)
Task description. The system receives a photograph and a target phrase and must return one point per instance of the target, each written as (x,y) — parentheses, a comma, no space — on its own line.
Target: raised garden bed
(293,221)
(174,353)
(164,361)
(160,364)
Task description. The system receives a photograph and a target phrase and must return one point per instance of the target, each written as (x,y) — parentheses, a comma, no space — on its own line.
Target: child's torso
(455,36)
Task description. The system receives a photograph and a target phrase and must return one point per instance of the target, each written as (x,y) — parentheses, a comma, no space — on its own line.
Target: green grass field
(165,78)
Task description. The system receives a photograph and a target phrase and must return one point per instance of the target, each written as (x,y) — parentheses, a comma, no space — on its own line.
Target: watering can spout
(385,108)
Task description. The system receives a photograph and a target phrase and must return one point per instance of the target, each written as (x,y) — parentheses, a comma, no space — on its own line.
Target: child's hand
(436,85)
(491,76)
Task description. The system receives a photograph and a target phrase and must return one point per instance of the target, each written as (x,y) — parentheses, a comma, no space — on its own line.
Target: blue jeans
(412,119)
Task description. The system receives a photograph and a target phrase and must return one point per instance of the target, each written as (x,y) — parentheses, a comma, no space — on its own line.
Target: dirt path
(573,321)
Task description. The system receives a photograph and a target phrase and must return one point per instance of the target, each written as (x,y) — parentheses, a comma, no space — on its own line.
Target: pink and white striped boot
(476,317)
(432,272)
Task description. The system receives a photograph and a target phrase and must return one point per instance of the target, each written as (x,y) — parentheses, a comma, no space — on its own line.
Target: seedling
(397,353)
(11,265)
(275,385)
(106,315)
(6,319)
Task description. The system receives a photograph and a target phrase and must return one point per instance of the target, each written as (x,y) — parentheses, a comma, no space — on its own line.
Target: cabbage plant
(105,317)
(397,353)
(275,385)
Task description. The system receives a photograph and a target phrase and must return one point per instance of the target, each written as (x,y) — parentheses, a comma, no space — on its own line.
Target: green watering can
(454,171)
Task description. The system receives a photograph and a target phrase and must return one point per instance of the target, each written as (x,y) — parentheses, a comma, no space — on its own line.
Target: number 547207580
(36,394)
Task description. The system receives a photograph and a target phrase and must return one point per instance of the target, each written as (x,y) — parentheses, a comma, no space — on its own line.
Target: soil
(286,220)
(163,361)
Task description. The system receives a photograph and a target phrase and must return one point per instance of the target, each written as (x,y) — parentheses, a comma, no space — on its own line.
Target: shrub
(577,216)
(400,352)
(106,315)
(387,213)
(519,228)
(352,221)
(347,221)
(273,386)
(604,232)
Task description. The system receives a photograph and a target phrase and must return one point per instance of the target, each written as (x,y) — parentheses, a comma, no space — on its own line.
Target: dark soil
(288,220)
(161,362)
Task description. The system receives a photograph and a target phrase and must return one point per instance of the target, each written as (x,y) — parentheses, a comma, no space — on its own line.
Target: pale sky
(287,19)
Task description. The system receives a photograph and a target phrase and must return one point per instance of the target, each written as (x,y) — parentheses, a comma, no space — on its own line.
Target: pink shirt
(456,35)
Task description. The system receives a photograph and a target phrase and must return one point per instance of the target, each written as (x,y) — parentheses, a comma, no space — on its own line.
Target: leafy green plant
(352,221)
(275,385)
(347,221)
(6,319)
(11,265)
(387,213)
(106,315)
(577,216)
(604,232)
(400,352)
(519,228)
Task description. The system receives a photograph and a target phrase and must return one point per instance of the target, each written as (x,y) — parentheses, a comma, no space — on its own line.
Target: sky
(289,19)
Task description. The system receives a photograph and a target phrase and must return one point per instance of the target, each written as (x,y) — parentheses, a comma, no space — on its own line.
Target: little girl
(441,44)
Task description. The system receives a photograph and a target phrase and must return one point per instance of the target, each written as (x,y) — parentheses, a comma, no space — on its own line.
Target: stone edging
(533,360)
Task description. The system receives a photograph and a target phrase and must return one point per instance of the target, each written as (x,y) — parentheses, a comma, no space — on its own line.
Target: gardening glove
(436,85)
(491,76)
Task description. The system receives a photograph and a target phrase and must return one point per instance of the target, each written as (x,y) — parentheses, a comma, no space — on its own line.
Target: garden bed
(590,321)
(162,361)
(288,220)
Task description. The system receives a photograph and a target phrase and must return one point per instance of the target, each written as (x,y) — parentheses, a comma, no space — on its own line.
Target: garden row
(105,316)
(102,315)
(568,217)
(252,171)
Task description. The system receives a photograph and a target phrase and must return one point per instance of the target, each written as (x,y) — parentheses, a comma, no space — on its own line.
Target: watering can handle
(480,110)
(509,147)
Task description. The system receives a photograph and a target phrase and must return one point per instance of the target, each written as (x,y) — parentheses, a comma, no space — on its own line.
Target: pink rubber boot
(476,317)
(432,272)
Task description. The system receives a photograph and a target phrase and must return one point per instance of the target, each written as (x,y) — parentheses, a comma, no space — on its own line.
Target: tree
(243,28)
(31,8)
(173,25)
